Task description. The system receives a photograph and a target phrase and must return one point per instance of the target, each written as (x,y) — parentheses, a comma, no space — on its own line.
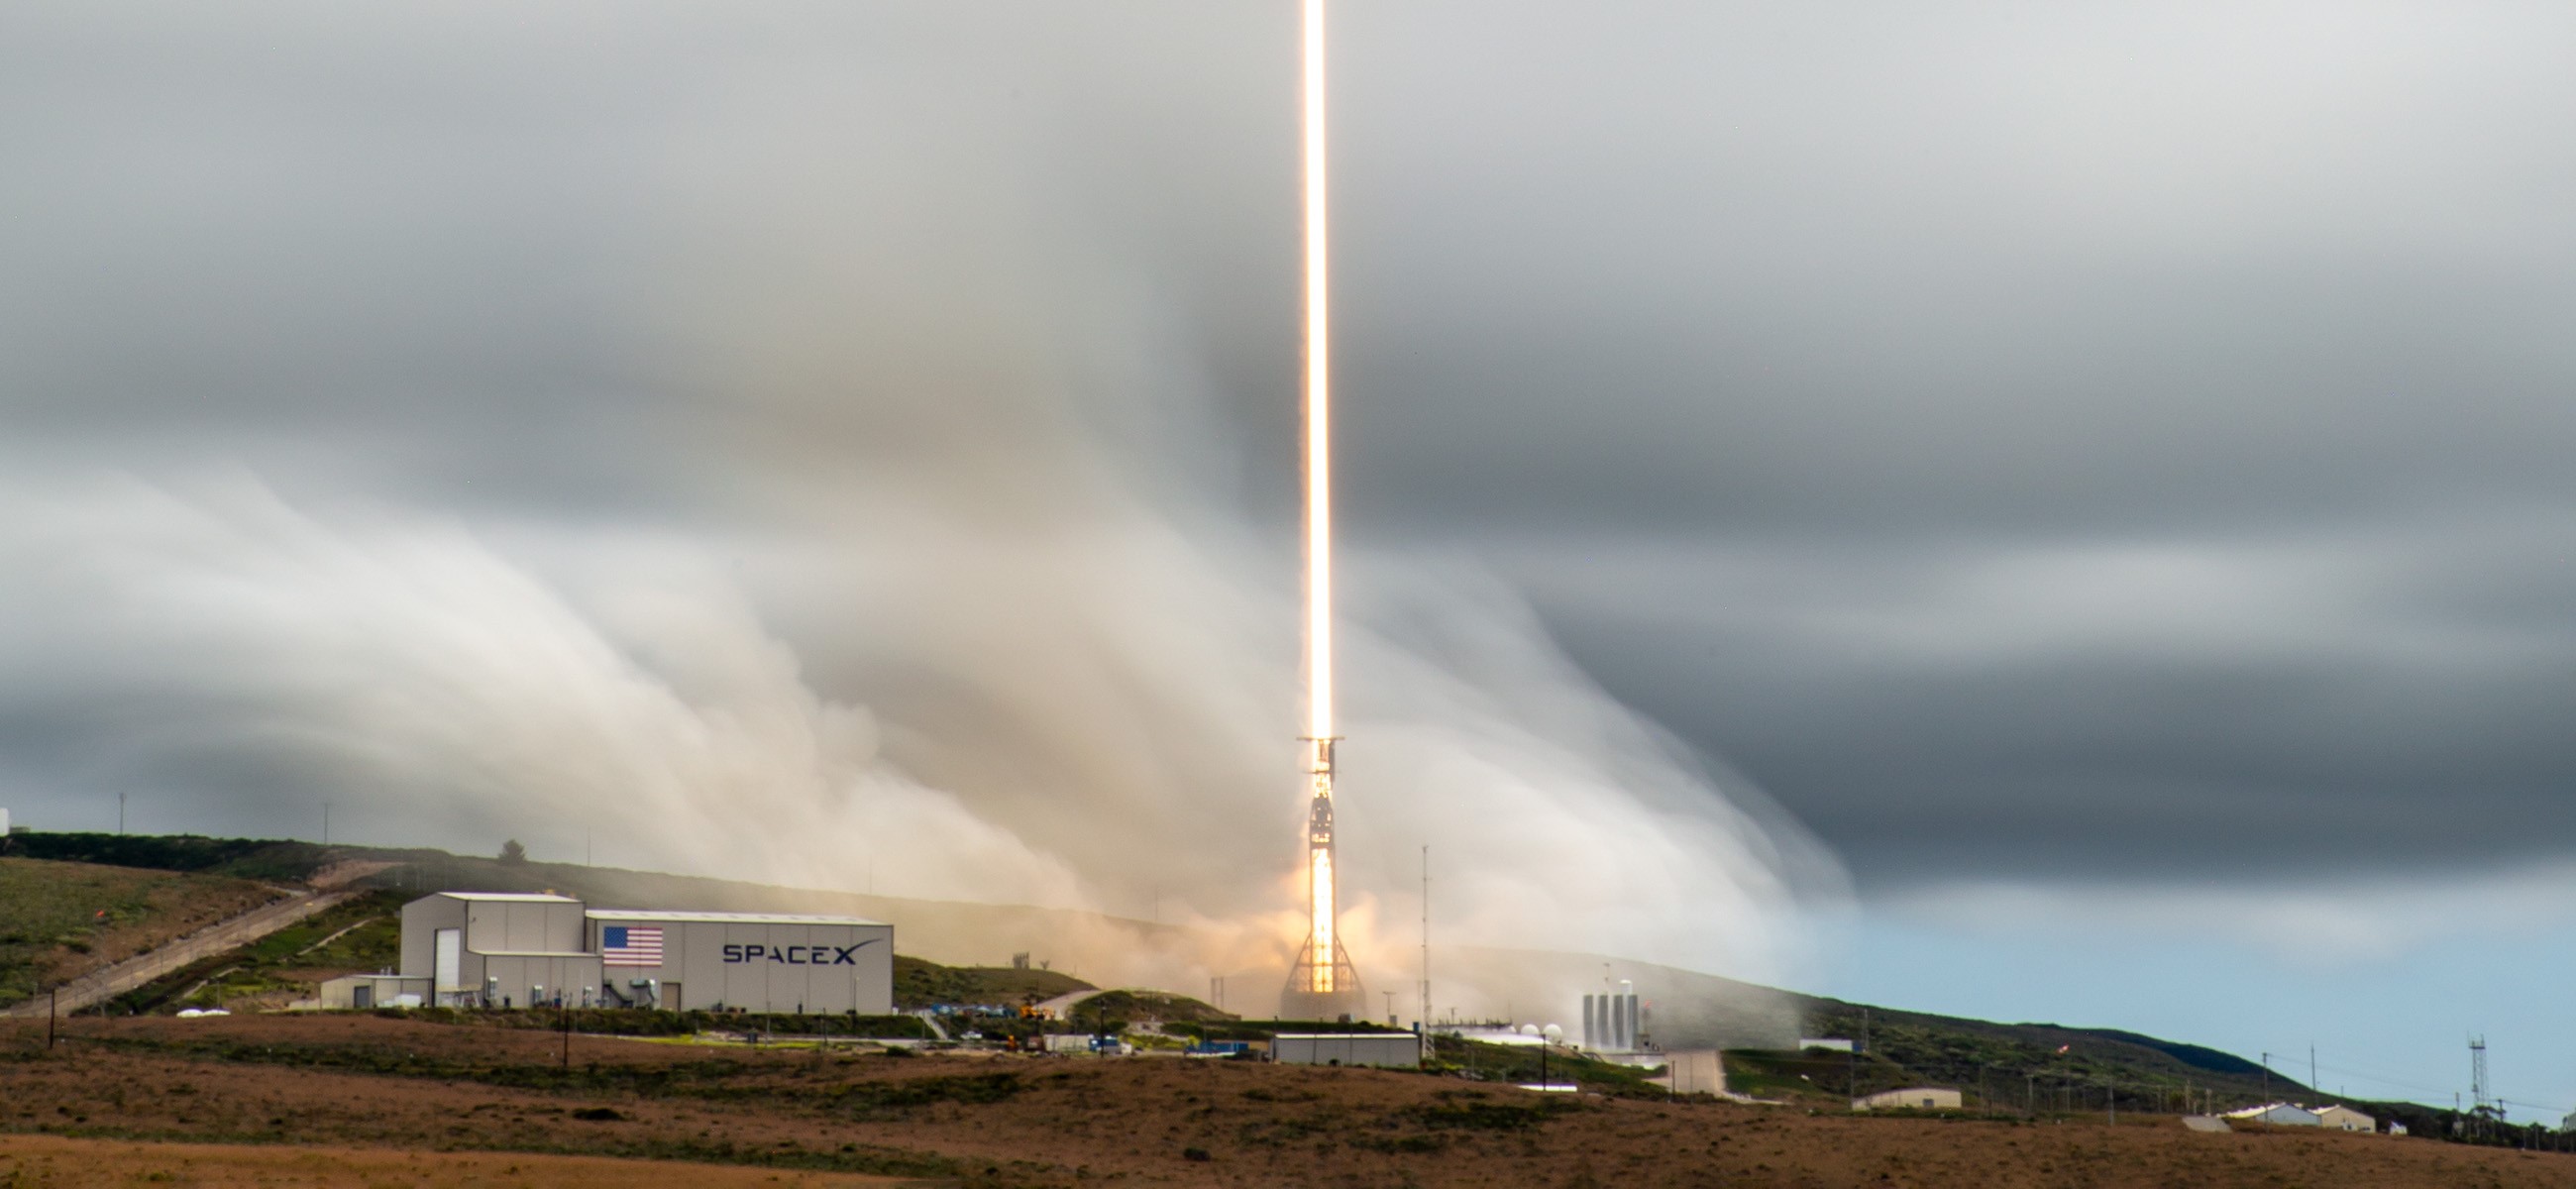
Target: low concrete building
(2344,1118)
(1911,1098)
(1694,1071)
(2278,1114)
(359,991)
(1386,1050)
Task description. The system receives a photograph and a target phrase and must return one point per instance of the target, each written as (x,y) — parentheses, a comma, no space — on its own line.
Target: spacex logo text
(797,955)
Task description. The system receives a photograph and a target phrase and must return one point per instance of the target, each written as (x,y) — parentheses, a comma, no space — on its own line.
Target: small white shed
(1911,1098)
(2278,1114)
(373,990)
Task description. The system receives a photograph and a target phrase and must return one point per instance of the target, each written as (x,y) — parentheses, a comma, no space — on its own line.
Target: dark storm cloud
(2064,442)
(2033,441)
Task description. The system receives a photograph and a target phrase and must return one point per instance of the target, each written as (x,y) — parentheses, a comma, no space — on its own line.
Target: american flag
(630,945)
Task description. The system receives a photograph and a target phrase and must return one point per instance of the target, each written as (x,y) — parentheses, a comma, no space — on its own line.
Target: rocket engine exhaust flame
(1321,983)
(1318,405)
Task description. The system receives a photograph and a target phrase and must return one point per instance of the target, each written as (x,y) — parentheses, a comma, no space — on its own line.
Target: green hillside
(361,934)
(2025,1066)
(2020,1068)
(920,983)
(245,858)
(59,920)
(1125,1008)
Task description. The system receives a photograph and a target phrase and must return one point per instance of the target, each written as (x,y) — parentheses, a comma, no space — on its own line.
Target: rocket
(1321,984)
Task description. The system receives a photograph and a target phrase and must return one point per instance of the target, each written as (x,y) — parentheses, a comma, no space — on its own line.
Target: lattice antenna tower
(2478,1086)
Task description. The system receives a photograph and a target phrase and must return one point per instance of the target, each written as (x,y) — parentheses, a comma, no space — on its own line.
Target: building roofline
(736,918)
(517,897)
(1345,1035)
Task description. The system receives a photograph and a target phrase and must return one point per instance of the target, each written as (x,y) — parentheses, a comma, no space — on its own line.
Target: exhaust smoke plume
(1091,718)
(962,568)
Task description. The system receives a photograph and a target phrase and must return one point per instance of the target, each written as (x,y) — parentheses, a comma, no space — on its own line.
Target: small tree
(512,852)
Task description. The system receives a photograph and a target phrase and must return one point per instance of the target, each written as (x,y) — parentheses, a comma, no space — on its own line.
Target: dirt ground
(49,1161)
(353,1082)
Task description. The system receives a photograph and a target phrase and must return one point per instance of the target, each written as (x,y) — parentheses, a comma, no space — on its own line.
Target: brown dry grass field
(267,1094)
(62,920)
(47,1160)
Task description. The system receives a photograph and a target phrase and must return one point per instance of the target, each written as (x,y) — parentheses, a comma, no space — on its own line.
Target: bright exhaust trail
(1323,947)
(1319,436)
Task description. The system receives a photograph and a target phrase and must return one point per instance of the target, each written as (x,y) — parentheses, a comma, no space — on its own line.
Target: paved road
(111,981)
(1063,1004)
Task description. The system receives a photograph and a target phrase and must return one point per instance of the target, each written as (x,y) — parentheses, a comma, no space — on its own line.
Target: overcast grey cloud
(2017,436)
(821,448)
(2023,436)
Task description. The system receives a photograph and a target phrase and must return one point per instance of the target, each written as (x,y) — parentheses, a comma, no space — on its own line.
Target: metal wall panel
(767,967)
(421,920)
(1391,1050)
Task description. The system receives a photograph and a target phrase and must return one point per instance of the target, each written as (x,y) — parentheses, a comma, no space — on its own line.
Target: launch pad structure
(1322,983)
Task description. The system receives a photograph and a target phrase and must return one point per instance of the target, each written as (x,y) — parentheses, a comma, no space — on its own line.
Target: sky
(2030,512)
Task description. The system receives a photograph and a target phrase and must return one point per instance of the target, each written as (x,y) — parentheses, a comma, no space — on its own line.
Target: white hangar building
(514,949)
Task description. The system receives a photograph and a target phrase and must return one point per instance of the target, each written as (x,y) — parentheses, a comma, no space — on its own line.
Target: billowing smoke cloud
(846,452)
(1094,722)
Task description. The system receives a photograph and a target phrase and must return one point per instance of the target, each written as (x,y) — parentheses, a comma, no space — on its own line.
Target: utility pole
(1426,943)
(2267,1077)
(120,813)
(2312,1067)
(326,823)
